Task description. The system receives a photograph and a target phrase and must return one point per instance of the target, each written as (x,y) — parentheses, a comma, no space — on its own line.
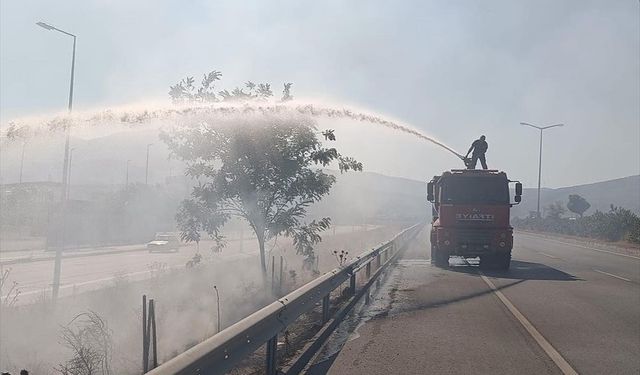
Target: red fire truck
(471,217)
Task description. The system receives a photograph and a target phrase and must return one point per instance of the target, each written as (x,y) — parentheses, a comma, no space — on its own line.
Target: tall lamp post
(540,128)
(24,145)
(126,180)
(65,166)
(69,172)
(146,171)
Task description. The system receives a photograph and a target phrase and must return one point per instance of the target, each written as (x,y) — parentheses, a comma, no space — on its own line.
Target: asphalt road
(92,269)
(83,273)
(562,308)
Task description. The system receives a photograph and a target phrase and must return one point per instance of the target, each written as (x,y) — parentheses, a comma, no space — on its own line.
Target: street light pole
(69,175)
(540,128)
(126,181)
(65,166)
(24,145)
(146,171)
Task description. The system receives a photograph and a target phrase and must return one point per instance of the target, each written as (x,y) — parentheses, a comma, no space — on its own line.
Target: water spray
(21,129)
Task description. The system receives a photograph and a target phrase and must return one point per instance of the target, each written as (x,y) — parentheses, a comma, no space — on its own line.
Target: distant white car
(164,242)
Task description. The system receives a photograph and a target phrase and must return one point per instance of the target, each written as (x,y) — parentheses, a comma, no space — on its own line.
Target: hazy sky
(454,69)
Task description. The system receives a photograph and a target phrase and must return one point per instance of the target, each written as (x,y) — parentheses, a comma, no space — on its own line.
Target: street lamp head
(540,127)
(527,124)
(552,126)
(45,25)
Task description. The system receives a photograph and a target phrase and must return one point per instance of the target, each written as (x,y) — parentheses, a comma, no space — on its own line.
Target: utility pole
(65,167)
(146,171)
(540,128)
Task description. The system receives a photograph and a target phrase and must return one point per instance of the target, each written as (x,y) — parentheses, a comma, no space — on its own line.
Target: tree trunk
(263,264)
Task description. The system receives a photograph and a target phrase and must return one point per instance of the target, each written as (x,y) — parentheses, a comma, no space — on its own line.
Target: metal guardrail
(225,350)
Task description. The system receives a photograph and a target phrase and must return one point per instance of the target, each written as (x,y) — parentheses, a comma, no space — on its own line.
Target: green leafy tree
(577,204)
(264,170)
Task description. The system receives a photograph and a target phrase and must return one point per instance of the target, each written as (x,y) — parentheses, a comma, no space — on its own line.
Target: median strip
(555,356)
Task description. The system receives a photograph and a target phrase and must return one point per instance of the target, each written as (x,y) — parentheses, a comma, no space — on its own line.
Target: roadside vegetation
(264,170)
(617,224)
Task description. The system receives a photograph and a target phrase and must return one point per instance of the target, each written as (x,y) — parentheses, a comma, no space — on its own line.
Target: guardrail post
(352,284)
(325,308)
(368,270)
(378,260)
(273,274)
(280,278)
(272,348)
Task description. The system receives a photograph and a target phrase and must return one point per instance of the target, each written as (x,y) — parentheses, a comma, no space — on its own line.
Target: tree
(555,210)
(577,204)
(263,169)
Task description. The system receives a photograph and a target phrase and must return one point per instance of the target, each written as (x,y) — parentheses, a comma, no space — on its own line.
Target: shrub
(616,225)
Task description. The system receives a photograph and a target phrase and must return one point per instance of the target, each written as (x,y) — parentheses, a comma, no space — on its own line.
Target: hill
(372,197)
(367,197)
(623,192)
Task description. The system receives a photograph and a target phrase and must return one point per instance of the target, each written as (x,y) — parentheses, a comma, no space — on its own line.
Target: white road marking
(612,275)
(582,246)
(548,255)
(415,262)
(556,357)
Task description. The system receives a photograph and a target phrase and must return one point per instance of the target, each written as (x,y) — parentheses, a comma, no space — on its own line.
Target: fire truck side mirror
(430,196)
(518,198)
(518,190)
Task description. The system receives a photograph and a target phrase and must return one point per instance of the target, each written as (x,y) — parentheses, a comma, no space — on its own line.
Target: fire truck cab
(471,217)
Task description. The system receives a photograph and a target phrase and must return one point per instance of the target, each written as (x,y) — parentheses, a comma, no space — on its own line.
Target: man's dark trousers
(474,161)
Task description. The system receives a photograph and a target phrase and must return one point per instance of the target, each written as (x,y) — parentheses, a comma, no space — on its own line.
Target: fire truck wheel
(441,258)
(433,254)
(503,261)
(487,261)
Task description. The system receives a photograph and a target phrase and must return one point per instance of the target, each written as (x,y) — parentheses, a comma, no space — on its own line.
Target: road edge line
(555,356)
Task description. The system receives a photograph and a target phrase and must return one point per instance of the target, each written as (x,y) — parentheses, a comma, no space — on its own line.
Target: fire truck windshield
(477,190)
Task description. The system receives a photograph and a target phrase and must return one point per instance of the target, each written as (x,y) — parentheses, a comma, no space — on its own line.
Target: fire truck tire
(503,261)
(433,254)
(441,258)
(486,261)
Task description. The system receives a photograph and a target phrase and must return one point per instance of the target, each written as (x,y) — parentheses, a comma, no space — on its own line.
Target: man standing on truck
(479,147)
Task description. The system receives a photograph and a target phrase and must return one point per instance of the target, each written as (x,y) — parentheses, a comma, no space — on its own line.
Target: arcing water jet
(21,129)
